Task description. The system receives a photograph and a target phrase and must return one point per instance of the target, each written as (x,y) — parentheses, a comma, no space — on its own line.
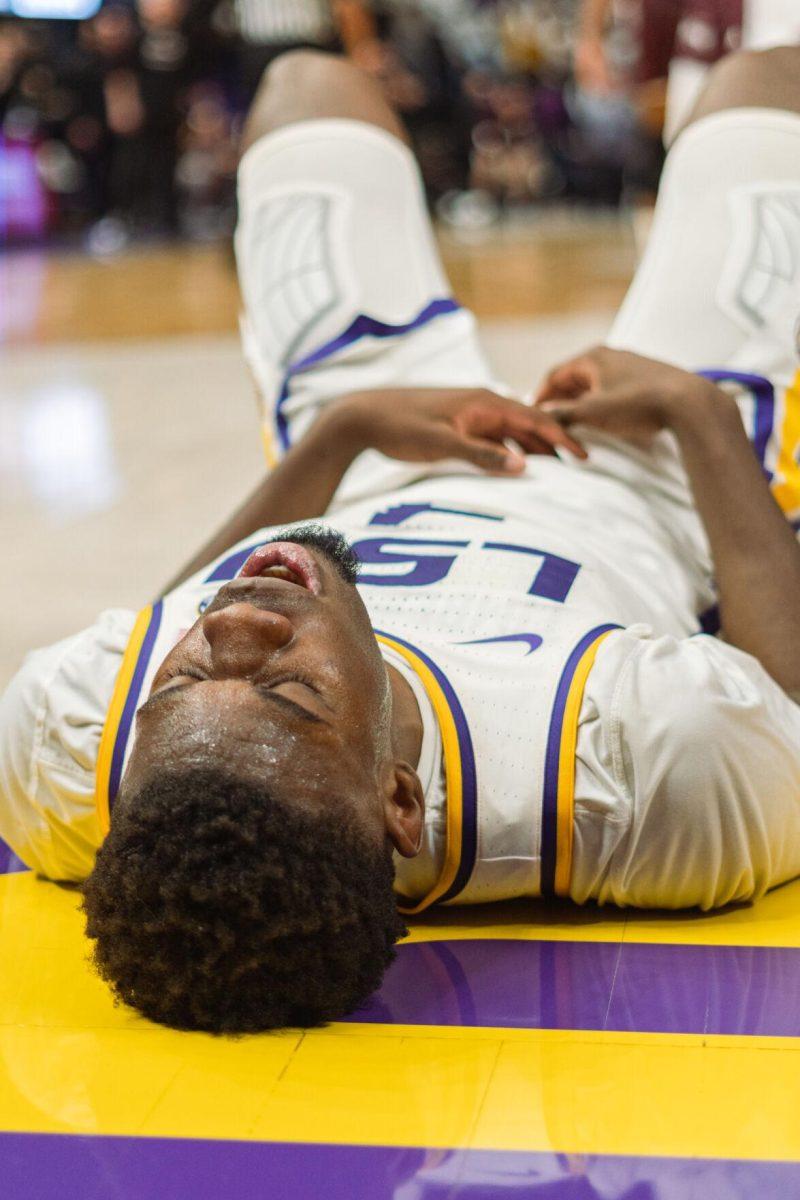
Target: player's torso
(500,613)
(497,593)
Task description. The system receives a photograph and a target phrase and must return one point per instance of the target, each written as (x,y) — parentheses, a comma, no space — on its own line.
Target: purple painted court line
(592,985)
(59,1167)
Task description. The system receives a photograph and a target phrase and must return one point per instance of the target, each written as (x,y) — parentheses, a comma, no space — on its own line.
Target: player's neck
(406,720)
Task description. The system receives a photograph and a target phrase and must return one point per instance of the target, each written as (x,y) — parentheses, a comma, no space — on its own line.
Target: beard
(329,542)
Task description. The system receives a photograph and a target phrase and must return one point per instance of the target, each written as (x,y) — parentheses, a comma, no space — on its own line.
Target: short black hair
(330,542)
(214,906)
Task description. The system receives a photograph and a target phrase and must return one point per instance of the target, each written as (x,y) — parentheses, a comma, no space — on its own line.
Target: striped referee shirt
(278,22)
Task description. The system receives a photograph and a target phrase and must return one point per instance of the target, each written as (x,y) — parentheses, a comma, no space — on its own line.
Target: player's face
(281,677)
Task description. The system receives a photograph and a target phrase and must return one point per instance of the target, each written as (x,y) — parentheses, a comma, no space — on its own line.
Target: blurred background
(119,121)
(127,422)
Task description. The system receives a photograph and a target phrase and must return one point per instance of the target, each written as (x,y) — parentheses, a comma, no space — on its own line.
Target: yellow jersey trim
(110,736)
(566,770)
(457,747)
(558,793)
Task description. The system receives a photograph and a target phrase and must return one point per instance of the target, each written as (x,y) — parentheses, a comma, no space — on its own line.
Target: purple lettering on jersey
(427,568)
(555,576)
(230,567)
(403,512)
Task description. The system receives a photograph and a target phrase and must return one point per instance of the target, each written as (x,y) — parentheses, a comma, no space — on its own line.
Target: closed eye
(267,694)
(272,697)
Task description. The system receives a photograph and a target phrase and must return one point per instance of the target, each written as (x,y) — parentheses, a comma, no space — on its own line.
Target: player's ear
(404,810)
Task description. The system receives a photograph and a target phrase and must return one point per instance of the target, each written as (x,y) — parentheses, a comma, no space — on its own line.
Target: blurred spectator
(14,49)
(105,45)
(267,28)
(671,45)
(407,56)
(144,97)
(127,124)
(206,169)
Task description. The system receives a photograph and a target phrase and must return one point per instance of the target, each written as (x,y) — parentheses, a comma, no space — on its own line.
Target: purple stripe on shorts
(628,987)
(60,1166)
(361,326)
(764,401)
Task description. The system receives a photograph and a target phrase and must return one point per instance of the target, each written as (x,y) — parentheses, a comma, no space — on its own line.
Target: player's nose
(242,638)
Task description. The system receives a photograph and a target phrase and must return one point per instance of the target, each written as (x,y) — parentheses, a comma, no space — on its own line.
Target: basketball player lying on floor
(499,684)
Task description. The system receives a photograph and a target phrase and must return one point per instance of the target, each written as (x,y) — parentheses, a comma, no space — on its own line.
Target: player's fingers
(490,415)
(505,418)
(549,429)
(566,382)
(484,448)
(576,412)
(533,443)
(488,455)
(569,380)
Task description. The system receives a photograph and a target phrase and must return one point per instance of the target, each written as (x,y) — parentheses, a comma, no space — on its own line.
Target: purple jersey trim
(764,399)
(469,782)
(553,758)
(132,702)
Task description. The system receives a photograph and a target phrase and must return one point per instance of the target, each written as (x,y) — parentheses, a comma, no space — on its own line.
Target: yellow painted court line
(499,1033)
(71,1062)
(582,1093)
(26,903)
(773,921)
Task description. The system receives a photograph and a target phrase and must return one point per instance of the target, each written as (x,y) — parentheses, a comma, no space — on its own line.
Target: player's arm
(756,555)
(421,425)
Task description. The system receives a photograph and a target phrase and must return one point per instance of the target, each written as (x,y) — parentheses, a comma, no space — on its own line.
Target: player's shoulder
(663,693)
(51,719)
(79,660)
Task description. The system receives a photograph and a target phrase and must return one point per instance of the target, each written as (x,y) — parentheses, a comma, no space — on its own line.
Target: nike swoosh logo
(532,640)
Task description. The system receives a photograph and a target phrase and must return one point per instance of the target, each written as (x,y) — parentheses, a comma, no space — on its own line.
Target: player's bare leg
(305,85)
(752,79)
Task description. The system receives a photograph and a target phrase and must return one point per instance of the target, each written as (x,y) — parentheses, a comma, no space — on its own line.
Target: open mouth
(286,561)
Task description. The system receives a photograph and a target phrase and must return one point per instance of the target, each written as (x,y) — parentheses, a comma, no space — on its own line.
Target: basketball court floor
(527,1050)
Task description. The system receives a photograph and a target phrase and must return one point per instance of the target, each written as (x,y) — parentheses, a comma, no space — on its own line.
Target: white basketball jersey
(497,594)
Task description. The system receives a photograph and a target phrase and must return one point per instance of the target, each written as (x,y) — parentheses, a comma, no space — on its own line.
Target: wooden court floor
(568,266)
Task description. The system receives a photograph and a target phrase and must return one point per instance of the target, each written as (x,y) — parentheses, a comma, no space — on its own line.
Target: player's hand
(430,424)
(621,393)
